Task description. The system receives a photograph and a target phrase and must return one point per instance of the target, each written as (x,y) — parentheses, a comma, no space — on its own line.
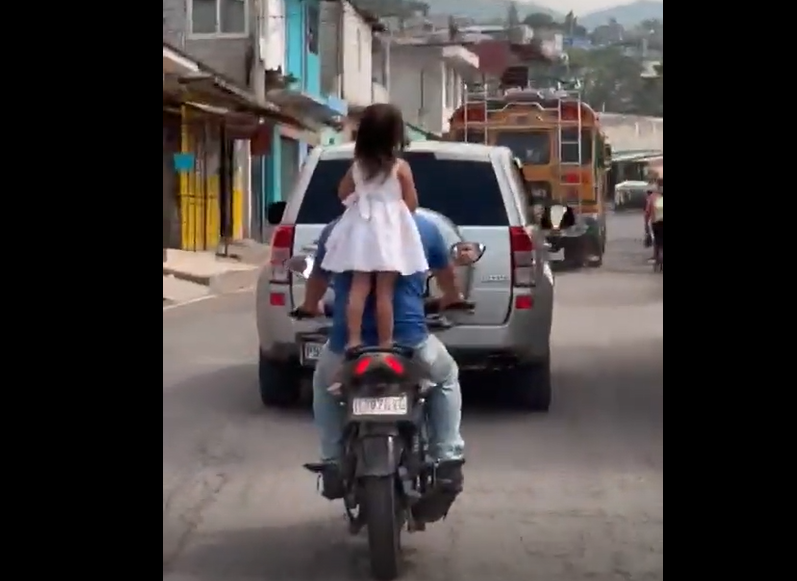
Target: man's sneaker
(449,476)
(331,479)
(332,483)
(449,482)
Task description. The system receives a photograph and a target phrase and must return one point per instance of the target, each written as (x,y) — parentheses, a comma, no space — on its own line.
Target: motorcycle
(386,469)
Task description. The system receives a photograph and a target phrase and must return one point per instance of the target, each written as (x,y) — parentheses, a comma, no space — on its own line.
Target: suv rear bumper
(524,338)
(467,359)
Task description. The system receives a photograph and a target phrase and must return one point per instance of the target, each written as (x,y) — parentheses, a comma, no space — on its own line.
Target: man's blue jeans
(444,400)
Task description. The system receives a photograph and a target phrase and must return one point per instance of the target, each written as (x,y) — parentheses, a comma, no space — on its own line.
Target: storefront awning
(328,111)
(187,81)
(175,62)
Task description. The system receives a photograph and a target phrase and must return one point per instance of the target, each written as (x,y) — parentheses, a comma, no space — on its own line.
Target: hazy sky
(579,6)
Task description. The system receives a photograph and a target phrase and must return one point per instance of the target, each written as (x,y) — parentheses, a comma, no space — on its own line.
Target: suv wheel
(531,386)
(278,382)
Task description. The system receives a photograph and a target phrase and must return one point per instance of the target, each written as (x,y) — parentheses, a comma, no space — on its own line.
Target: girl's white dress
(377,231)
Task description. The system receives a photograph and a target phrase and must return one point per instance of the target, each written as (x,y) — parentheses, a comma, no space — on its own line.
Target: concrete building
(426,81)
(291,67)
(206,121)
(355,65)
(269,48)
(633,132)
(347,54)
(350,60)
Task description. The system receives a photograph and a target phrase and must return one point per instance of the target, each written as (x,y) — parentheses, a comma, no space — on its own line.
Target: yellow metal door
(199,188)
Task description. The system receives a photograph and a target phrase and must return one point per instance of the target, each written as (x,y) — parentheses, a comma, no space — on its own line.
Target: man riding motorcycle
(445,399)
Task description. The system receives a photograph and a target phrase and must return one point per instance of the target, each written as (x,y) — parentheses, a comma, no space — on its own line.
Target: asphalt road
(573,495)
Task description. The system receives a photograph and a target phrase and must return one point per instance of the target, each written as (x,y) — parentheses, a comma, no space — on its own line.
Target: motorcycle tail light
(395,365)
(364,364)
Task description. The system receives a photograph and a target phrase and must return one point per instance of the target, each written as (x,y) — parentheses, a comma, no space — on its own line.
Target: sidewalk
(181,291)
(188,275)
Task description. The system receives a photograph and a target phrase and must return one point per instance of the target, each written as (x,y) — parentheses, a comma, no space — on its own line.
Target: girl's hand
(350,199)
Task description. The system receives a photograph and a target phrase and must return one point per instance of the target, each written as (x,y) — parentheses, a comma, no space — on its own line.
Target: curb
(220,283)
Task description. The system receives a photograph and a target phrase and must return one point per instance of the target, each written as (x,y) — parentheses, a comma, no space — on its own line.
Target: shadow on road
(629,370)
(314,550)
(230,391)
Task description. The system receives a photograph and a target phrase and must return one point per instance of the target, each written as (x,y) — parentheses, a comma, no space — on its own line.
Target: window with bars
(219,17)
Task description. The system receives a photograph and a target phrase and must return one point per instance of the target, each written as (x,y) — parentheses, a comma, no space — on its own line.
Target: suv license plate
(310,352)
(556,256)
(379,406)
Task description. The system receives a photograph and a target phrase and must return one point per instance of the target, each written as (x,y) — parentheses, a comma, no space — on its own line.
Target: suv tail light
(281,250)
(522,248)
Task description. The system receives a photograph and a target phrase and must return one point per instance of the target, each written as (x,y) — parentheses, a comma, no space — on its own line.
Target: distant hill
(626,15)
(485,10)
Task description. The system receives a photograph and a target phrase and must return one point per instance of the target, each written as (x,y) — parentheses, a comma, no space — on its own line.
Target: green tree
(571,27)
(538,20)
(652,25)
(512,17)
(395,8)
(569,22)
(453,29)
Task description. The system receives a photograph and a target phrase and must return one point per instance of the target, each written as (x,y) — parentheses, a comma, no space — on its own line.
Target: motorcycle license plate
(380,406)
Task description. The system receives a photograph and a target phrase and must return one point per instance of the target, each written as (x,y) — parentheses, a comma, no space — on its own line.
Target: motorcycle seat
(398,350)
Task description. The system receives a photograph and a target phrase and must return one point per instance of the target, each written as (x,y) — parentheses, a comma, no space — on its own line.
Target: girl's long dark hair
(380,138)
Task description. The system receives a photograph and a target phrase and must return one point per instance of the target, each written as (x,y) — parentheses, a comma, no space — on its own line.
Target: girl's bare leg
(360,289)
(385,283)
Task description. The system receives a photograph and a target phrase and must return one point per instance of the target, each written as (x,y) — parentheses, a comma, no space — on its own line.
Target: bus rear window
(570,146)
(472,136)
(530,147)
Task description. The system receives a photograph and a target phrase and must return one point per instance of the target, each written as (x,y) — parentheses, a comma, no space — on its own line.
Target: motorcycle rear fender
(378,455)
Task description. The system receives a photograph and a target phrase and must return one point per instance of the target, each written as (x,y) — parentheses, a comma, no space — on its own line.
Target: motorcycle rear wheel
(384,530)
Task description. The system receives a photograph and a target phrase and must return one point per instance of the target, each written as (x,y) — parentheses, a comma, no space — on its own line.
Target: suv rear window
(465,191)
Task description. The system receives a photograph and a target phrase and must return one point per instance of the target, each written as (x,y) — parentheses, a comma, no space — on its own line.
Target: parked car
(631,195)
(473,192)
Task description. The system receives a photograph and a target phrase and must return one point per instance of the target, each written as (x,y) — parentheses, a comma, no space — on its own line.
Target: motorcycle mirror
(467,253)
(301,265)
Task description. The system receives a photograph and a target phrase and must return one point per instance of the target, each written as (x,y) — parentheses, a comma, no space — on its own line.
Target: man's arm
(441,266)
(317,284)
(346,186)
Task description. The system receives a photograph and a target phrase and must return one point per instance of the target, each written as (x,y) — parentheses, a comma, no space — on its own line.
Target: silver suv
(474,193)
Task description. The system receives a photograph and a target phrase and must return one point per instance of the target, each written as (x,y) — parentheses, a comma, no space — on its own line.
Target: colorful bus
(564,153)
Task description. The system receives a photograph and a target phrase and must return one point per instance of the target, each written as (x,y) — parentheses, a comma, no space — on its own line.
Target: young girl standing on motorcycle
(376,239)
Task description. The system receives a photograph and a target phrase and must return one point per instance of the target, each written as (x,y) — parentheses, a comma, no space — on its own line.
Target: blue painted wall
(274,175)
(302,16)
(306,67)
